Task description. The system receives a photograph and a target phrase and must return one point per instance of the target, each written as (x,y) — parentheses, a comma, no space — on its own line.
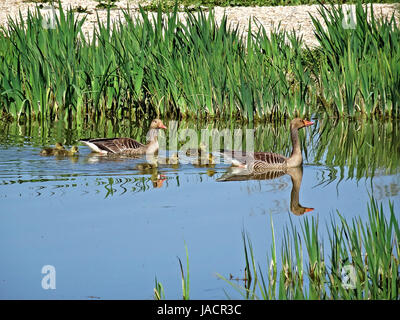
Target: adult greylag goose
(296,175)
(127,146)
(261,161)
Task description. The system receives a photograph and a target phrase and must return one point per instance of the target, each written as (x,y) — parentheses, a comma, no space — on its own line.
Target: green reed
(360,69)
(361,261)
(159,293)
(150,64)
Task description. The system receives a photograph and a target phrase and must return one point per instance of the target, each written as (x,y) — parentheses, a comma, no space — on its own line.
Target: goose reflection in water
(296,175)
(94,157)
(150,168)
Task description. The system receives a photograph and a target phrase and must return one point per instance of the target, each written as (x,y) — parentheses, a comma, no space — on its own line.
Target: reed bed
(361,261)
(159,65)
(362,62)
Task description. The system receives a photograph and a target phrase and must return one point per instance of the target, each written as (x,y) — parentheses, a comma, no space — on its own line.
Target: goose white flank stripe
(127,146)
(261,161)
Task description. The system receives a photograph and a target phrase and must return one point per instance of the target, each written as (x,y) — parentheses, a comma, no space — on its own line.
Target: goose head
(152,135)
(299,123)
(157,124)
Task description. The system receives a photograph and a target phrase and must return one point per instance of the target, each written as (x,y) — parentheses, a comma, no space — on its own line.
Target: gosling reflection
(151,167)
(156,178)
(296,175)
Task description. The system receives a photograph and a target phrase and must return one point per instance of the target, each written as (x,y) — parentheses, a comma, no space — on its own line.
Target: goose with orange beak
(262,161)
(127,146)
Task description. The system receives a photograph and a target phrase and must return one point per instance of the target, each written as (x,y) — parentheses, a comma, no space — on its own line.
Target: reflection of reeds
(349,149)
(362,147)
(195,68)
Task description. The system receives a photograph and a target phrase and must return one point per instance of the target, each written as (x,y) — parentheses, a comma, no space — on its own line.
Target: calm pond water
(109,228)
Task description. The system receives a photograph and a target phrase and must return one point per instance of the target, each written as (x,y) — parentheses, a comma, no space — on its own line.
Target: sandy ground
(290,17)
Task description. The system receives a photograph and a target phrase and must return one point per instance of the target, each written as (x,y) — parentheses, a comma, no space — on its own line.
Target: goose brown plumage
(261,161)
(127,146)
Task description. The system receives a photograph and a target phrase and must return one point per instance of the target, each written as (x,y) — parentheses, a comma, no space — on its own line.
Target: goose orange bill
(308,123)
(162,126)
(309,209)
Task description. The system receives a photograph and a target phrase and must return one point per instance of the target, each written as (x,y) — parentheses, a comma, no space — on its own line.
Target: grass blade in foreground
(363,264)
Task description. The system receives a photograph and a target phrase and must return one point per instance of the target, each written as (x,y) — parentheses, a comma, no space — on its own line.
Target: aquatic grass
(185,278)
(45,66)
(360,71)
(159,293)
(194,67)
(375,259)
(363,262)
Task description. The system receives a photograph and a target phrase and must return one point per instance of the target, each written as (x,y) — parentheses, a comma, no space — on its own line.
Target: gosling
(51,151)
(196,152)
(173,160)
(206,160)
(67,153)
